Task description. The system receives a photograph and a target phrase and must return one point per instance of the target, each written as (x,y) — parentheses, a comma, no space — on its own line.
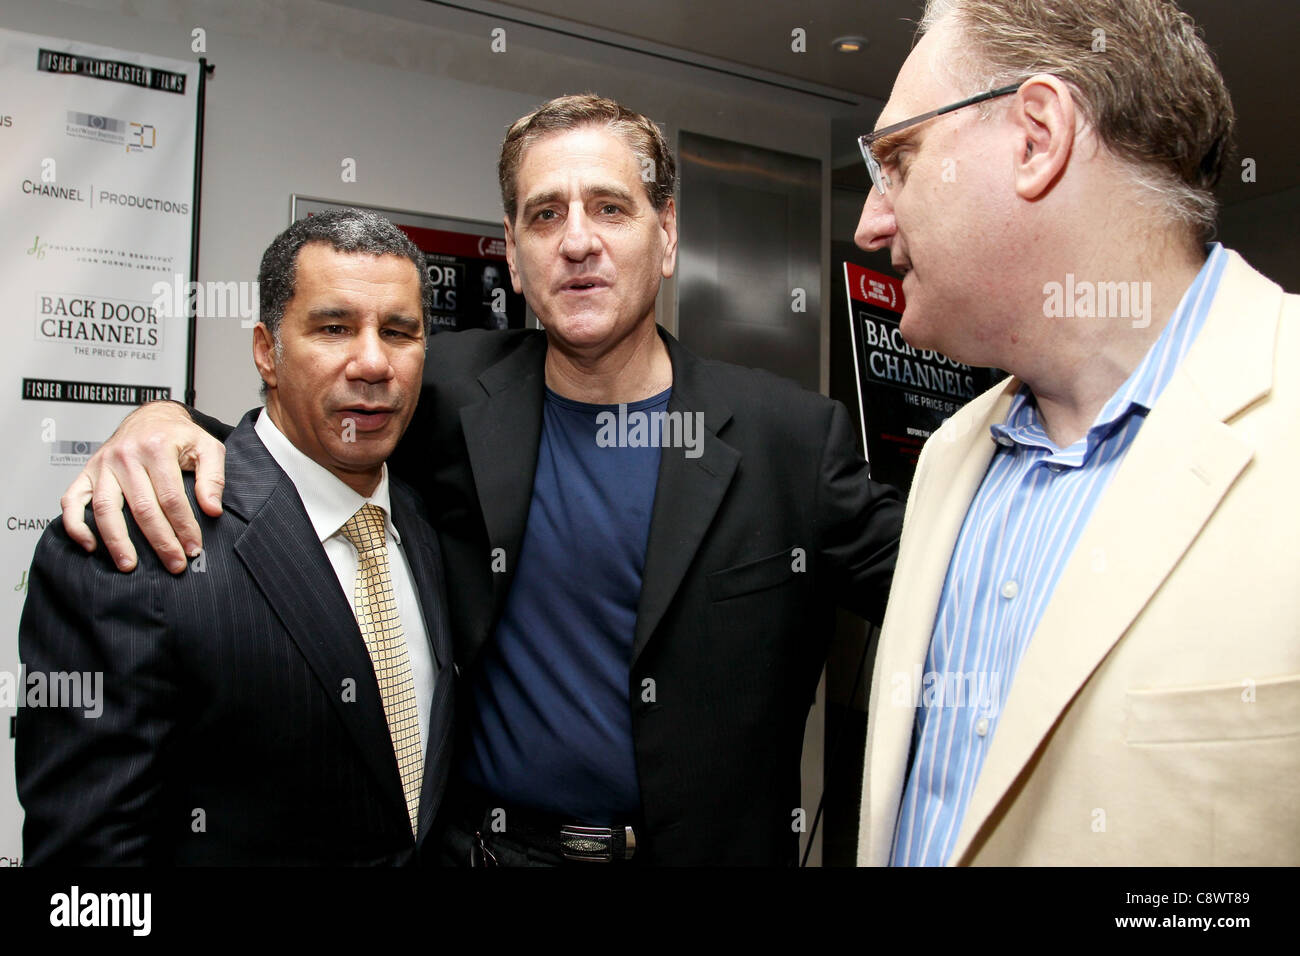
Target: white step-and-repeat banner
(97,159)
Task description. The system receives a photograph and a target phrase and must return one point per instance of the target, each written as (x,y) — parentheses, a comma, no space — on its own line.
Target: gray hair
(1141,75)
(345,230)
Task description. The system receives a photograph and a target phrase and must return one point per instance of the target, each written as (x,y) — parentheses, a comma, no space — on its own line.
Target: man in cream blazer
(1153,713)
(1154,716)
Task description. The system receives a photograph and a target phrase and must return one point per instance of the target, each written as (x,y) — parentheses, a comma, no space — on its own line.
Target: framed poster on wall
(466,261)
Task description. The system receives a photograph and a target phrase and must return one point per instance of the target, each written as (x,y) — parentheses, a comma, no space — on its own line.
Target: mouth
(368,418)
(585,284)
(904,269)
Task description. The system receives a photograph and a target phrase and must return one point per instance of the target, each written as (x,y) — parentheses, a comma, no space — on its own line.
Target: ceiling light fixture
(849,44)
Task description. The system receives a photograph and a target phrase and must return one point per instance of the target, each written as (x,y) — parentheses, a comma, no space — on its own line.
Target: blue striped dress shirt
(1019,532)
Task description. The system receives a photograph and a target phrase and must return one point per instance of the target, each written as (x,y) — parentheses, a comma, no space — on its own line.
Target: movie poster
(904,393)
(466,262)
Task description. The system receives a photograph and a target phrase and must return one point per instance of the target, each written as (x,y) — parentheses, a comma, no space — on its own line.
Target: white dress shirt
(329,504)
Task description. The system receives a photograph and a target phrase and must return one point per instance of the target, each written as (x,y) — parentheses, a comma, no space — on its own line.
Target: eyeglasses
(878,177)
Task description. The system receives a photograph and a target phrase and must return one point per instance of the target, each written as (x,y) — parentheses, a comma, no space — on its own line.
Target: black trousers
(461,846)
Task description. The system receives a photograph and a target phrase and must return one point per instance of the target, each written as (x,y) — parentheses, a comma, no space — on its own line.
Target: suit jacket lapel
(956,463)
(503,433)
(687,495)
(425,562)
(424,559)
(285,558)
(1177,471)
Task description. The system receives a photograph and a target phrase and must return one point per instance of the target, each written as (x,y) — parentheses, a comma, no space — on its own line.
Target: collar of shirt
(1022,428)
(328,501)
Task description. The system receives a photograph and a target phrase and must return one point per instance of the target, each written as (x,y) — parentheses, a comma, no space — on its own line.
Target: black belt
(552,833)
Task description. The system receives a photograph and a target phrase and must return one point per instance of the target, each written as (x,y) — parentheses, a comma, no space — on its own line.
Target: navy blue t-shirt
(551,718)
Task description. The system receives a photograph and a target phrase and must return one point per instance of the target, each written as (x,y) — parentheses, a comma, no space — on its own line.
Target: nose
(370,361)
(877,225)
(579,240)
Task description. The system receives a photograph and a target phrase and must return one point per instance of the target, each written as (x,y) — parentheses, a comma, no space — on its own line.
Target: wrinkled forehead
(589,161)
(589,144)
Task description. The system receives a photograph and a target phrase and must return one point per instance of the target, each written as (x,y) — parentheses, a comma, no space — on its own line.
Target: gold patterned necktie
(381,627)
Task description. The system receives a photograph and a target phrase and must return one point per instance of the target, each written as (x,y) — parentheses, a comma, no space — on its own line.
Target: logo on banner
(72,452)
(135,137)
(116,71)
(91,393)
(110,197)
(892,361)
(97,320)
(98,252)
(489,246)
(874,290)
(51,191)
(15,523)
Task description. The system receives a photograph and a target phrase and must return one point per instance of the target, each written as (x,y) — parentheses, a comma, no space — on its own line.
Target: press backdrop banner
(98,181)
(905,393)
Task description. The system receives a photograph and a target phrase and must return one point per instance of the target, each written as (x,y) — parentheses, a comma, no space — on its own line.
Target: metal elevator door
(749,286)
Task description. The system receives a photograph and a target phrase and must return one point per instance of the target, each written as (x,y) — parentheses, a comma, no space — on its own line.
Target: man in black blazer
(640,622)
(751,546)
(242,719)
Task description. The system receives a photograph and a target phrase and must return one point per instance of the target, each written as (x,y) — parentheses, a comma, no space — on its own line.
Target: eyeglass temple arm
(869,138)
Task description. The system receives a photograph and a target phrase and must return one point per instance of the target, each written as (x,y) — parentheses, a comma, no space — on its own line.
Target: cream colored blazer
(1155,716)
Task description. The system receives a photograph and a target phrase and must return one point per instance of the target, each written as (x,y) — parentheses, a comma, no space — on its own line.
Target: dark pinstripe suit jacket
(241,721)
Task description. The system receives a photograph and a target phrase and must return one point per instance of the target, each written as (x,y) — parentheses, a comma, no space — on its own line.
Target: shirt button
(1054,466)
(982,726)
(1010,590)
(1004,441)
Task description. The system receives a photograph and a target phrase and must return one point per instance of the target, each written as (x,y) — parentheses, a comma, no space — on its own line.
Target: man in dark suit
(644,549)
(287,700)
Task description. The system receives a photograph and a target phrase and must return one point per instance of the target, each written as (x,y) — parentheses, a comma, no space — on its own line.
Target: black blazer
(242,723)
(751,547)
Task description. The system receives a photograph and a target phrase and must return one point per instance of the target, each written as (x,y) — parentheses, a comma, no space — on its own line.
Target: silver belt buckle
(594,844)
